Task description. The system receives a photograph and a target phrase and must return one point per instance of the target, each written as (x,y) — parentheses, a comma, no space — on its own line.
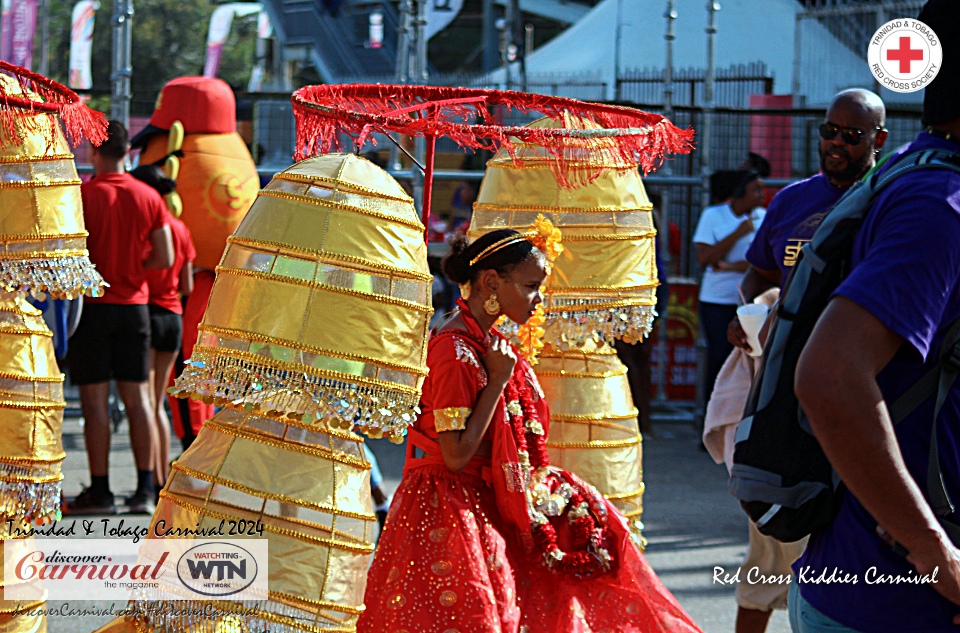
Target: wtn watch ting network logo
(217,569)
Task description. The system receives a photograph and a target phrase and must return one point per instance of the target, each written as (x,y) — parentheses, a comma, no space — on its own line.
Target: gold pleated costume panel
(604,283)
(593,423)
(309,489)
(321,306)
(43,247)
(31,415)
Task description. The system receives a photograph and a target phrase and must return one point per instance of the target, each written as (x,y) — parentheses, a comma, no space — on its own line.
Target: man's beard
(852,171)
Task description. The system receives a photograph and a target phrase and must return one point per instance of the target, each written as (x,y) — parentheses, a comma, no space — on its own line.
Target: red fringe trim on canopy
(42,95)
(463,115)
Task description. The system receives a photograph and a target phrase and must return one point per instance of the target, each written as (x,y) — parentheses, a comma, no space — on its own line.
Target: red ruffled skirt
(443,565)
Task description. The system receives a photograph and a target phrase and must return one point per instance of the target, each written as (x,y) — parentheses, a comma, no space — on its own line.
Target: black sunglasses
(850,135)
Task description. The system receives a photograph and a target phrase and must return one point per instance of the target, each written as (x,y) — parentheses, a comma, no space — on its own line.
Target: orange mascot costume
(217,183)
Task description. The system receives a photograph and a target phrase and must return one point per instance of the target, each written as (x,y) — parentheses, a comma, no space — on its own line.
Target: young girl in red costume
(483,536)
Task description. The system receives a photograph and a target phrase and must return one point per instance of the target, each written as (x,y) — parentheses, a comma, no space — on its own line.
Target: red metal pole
(428,184)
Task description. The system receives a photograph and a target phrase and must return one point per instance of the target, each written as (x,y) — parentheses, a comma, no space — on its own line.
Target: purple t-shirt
(792,218)
(906,273)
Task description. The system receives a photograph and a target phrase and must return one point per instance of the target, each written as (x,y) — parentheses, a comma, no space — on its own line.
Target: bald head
(851,135)
(867,102)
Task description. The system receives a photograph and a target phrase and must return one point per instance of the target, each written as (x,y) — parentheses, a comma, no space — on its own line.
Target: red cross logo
(905,55)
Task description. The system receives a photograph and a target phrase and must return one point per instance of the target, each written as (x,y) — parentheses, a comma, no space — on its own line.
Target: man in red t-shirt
(129,234)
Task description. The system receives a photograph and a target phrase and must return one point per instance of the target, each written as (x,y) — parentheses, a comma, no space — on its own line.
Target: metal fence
(733,85)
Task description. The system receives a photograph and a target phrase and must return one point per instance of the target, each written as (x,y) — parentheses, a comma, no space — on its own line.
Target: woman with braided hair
(483,536)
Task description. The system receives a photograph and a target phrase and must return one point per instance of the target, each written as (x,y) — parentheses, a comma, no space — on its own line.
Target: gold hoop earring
(491,305)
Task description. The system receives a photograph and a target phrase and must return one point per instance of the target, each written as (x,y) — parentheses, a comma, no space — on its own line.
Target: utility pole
(122,66)
(663,338)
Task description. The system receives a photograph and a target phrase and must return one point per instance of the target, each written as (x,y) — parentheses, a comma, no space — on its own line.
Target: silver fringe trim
(59,277)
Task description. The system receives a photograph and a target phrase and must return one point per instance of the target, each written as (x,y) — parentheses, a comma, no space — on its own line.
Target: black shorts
(166,329)
(111,342)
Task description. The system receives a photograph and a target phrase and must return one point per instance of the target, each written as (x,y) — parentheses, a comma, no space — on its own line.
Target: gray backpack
(780,474)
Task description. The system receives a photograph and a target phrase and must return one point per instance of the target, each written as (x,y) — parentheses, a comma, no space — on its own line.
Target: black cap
(941,101)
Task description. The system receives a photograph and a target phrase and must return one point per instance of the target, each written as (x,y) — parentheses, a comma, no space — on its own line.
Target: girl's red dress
(451,560)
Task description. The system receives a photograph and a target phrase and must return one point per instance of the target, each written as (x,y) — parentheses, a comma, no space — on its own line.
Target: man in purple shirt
(881,331)
(851,136)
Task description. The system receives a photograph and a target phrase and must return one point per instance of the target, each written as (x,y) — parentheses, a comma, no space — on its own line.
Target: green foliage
(169,40)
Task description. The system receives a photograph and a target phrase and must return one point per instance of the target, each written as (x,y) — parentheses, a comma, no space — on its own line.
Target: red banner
(682,326)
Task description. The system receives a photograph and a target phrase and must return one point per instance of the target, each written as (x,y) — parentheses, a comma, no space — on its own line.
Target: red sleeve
(190,251)
(456,374)
(157,213)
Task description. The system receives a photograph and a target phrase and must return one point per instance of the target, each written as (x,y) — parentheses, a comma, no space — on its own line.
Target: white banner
(440,13)
(134,568)
(81,44)
(220,23)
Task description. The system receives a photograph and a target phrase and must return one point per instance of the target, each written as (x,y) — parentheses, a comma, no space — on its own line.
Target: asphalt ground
(691,521)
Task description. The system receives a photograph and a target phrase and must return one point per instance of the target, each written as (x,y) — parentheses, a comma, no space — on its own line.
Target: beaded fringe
(31,501)
(281,393)
(572,328)
(60,277)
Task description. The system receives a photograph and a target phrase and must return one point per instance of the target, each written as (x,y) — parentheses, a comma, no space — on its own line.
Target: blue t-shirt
(792,218)
(905,272)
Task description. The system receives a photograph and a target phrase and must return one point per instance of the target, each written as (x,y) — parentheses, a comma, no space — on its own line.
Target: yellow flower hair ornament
(546,237)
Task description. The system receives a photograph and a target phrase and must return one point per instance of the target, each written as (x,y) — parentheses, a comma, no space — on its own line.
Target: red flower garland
(589,532)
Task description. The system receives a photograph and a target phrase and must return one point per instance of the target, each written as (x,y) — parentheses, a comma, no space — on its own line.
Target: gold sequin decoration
(448,598)
(397,601)
(441,567)
(393,575)
(439,535)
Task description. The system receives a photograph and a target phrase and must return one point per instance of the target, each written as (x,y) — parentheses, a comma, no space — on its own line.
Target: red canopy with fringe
(45,96)
(465,115)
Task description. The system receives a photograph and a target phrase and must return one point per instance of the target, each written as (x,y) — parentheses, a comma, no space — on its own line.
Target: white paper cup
(752,317)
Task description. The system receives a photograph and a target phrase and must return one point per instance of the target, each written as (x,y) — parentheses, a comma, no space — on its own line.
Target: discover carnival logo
(905,55)
(156,569)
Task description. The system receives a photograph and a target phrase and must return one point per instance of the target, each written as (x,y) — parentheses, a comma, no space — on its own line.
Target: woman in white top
(722,238)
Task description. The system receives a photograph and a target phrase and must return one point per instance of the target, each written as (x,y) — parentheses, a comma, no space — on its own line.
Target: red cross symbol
(905,54)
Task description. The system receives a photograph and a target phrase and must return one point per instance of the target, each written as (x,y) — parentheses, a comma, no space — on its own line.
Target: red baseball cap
(205,105)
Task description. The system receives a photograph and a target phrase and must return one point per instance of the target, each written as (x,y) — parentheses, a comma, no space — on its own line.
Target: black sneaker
(91,502)
(141,503)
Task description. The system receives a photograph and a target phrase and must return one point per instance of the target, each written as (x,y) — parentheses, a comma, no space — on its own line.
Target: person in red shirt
(128,234)
(166,315)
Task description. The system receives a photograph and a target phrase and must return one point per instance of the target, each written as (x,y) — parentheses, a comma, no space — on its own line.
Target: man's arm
(836,383)
(161,249)
(754,283)
(185,285)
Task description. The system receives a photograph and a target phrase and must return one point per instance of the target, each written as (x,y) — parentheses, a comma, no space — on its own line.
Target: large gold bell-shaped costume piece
(310,490)
(601,288)
(593,423)
(604,283)
(316,325)
(321,305)
(42,236)
(31,415)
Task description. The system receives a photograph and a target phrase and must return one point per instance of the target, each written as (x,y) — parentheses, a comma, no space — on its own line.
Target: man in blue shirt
(881,331)
(851,136)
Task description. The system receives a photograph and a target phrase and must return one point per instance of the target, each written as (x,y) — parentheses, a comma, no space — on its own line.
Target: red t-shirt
(164,284)
(120,213)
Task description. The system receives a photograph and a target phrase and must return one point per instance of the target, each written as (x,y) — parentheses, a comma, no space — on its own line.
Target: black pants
(714,319)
